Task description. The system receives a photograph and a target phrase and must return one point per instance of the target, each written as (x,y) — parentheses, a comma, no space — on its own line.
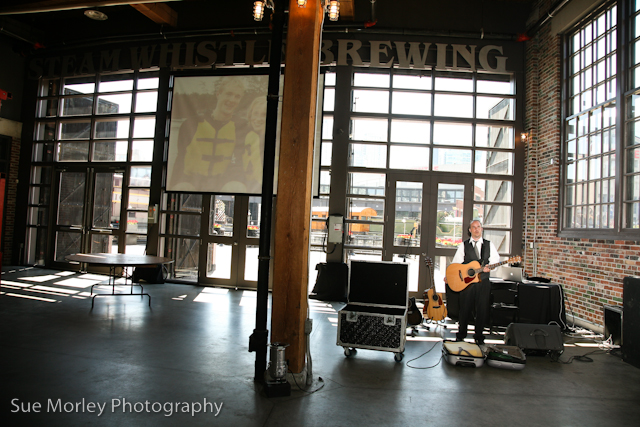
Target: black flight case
(375,317)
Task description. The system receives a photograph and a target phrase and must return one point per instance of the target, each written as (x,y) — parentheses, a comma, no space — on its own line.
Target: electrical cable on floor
(308,328)
(580,358)
(301,389)
(425,367)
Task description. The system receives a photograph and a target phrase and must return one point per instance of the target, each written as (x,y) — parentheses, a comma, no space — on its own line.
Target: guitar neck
(431,278)
(498,264)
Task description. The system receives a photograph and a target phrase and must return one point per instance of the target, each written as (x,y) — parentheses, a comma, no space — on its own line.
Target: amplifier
(613,323)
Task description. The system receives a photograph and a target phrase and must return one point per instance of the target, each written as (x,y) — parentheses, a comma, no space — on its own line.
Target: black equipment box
(541,303)
(332,282)
(631,320)
(535,339)
(375,317)
(504,303)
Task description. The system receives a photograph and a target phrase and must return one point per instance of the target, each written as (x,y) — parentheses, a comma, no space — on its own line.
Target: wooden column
(293,208)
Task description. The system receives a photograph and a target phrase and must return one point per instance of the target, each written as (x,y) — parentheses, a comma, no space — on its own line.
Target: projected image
(216,140)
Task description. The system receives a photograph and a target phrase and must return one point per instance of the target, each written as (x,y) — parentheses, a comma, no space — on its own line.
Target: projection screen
(216,138)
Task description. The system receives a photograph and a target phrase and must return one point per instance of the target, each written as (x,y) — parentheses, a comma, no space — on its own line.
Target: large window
(431,123)
(601,155)
(590,155)
(631,195)
(99,128)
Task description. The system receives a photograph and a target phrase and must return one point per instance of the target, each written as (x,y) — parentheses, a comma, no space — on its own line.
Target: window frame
(623,92)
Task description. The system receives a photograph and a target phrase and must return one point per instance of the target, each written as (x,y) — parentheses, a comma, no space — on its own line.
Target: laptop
(511,273)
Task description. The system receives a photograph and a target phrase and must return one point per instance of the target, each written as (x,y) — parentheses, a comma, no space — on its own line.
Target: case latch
(352,316)
(389,320)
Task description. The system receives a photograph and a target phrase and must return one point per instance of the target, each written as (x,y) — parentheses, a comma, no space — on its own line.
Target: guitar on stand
(434,308)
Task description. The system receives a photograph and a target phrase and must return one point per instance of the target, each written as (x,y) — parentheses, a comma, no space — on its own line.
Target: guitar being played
(459,276)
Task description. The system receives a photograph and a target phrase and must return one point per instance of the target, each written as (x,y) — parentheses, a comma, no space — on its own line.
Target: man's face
(257,118)
(230,97)
(476,230)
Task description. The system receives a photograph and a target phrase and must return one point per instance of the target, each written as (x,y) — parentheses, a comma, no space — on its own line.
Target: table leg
(112,282)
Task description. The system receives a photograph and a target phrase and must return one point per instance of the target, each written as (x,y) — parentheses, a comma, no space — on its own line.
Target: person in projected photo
(212,149)
(477,295)
(254,144)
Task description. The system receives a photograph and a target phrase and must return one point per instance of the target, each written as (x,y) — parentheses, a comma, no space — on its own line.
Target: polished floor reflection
(185,360)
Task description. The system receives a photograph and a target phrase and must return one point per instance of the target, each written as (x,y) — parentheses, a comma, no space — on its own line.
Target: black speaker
(631,320)
(613,323)
(535,339)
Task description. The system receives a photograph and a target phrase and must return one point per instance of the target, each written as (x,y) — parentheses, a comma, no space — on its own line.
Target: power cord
(301,389)
(424,367)
(580,358)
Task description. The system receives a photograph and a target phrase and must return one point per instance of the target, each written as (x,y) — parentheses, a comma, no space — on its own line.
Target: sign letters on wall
(212,54)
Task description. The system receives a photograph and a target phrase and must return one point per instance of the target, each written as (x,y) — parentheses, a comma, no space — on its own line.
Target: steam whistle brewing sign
(211,54)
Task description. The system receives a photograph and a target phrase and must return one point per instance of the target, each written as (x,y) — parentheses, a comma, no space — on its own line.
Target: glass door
(404,240)
(88,212)
(449,205)
(231,241)
(426,216)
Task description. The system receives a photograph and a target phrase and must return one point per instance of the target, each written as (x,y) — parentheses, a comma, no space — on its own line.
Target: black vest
(470,255)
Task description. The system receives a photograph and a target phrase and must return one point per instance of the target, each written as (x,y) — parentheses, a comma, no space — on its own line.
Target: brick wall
(590,270)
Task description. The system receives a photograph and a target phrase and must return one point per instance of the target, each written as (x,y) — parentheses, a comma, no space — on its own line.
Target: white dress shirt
(494,256)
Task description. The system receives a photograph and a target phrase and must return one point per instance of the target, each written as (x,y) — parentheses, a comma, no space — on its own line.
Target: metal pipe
(259,338)
(554,9)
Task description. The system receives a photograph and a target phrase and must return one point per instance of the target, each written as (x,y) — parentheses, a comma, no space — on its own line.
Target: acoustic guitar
(434,308)
(459,276)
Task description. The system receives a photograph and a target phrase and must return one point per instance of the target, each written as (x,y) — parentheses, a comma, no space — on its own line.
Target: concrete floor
(145,365)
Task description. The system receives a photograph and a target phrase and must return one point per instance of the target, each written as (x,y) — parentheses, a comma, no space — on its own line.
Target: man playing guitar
(477,294)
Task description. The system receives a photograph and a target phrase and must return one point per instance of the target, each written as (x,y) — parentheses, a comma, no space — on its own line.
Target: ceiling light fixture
(333,9)
(96,15)
(258,10)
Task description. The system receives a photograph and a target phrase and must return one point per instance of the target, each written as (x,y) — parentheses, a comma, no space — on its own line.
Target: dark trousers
(478,296)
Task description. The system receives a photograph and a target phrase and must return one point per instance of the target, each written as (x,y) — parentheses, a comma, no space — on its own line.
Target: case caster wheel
(398,357)
(348,352)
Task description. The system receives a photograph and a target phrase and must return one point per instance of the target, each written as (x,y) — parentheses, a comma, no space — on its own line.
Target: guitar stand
(414,328)
(436,323)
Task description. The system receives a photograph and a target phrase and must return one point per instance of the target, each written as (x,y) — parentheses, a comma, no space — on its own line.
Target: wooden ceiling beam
(347,9)
(59,5)
(159,13)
